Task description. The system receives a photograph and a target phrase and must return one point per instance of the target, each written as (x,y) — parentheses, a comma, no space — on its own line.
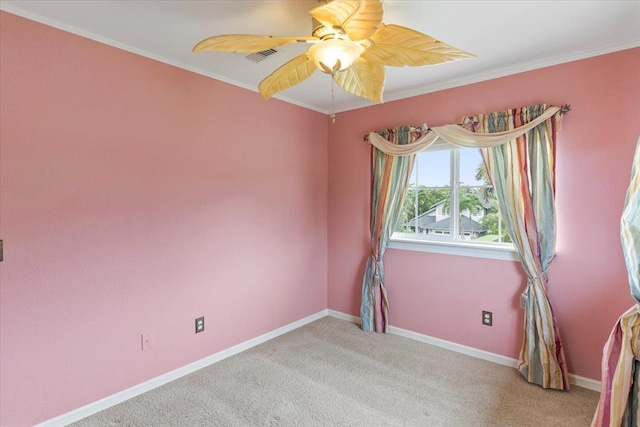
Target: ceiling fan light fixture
(334,55)
(348,42)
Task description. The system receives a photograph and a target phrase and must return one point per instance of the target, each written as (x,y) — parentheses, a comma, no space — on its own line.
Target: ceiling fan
(349,42)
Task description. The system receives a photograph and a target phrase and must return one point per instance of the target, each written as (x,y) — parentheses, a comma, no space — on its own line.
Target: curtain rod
(564,109)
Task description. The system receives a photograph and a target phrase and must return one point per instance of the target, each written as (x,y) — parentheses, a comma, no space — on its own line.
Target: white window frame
(411,242)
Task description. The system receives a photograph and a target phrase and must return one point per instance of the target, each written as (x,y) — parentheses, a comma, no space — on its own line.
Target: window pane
(479,217)
(426,207)
(427,213)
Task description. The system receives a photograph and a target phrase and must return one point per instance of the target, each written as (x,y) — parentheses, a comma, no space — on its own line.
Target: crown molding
(495,74)
(9,8)
(357,103)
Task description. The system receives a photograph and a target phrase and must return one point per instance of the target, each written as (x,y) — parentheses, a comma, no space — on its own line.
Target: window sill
(476,250)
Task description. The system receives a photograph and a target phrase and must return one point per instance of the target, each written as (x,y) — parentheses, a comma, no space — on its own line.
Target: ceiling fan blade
(290,74)
(364,79)
(359,18)
(398,46)
(245,43)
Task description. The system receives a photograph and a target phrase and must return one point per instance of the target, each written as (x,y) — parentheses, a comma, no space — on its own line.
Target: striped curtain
(523,174)
(390,177)
(618,404)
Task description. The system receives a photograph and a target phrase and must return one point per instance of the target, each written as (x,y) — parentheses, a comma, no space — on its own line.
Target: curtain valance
(459,135)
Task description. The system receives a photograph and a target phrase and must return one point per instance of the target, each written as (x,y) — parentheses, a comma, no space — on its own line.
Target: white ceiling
(507,36)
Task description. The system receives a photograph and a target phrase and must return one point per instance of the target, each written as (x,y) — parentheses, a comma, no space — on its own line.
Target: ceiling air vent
(259,56)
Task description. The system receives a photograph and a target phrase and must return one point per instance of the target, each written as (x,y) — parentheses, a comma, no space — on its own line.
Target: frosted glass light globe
(334,55)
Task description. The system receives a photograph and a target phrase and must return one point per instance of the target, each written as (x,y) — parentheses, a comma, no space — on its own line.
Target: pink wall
(137,196)
(443,295)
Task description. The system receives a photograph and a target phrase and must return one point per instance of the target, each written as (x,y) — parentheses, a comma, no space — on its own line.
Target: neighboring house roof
(466,225)
(423,220)
(429,222)
(427,219)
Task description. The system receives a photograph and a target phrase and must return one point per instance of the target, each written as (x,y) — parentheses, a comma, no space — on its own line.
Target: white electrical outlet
(487,318)
(147,340)
(199,324)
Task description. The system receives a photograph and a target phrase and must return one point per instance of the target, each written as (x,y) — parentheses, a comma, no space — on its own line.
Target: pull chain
(333,99)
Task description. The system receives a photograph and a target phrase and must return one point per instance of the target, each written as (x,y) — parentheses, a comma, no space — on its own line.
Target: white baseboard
(458,348)
(587,383)
(344,316)
(107,402)
(584,382)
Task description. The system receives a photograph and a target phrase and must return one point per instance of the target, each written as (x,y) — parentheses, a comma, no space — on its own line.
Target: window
(446,183)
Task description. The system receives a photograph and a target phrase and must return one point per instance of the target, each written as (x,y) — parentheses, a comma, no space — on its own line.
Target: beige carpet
(330,373)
